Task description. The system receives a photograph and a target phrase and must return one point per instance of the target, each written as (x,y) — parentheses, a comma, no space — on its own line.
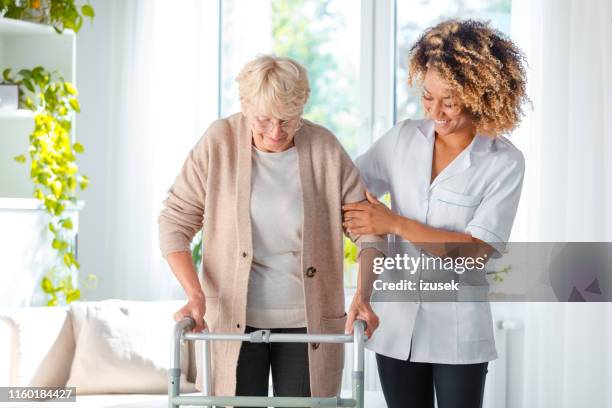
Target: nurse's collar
(481,143)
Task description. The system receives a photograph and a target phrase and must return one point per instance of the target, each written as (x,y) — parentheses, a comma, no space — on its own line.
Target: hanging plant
(61,14)
(53,169)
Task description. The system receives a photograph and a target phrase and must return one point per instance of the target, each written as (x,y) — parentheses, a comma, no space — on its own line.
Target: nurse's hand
(371,217)
(361,310)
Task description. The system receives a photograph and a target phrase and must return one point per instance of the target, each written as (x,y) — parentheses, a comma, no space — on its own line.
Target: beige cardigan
(212,192)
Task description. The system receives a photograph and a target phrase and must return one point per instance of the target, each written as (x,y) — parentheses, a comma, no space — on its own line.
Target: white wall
(96,88)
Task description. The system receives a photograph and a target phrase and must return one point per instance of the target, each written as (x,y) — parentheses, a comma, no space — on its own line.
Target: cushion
(42,345)
(6,351)
(124,347)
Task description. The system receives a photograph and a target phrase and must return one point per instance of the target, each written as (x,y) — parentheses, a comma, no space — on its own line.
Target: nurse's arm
(373,217)
(440,242)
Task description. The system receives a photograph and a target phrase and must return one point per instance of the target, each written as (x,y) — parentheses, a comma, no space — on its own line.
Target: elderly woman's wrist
(361,297)
(195,294)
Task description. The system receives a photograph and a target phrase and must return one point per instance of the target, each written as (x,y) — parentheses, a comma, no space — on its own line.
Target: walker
(182,333)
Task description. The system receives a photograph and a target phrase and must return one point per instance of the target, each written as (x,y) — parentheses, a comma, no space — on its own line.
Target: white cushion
(124,347)
(42,345)
(6,351)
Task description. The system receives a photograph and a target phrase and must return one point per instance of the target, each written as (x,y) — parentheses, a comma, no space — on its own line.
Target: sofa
(115,352)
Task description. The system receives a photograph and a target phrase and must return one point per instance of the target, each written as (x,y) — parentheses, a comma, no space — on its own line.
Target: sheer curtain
(165,81)
(567,140)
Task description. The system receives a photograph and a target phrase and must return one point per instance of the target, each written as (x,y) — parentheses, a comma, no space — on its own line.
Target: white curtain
(165,81)
(562,357)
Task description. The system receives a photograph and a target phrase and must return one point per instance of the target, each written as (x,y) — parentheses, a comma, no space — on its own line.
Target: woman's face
(273,135)
(443,106)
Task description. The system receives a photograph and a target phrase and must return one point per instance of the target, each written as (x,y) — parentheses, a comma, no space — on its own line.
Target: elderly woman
(266,187)
(453,179)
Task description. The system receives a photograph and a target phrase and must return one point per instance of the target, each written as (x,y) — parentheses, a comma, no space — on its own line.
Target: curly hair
(482,66)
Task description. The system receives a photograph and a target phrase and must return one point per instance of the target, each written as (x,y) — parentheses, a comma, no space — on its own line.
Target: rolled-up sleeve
(183,210)
(493,219)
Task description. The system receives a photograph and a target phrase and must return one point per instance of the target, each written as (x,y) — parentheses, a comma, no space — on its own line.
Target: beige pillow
(41,346)
(124,347)
(6,352)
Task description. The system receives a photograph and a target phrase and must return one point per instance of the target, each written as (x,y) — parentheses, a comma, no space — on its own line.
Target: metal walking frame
(182,333)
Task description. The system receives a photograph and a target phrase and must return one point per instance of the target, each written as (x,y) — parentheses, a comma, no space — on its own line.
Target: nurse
(452,178)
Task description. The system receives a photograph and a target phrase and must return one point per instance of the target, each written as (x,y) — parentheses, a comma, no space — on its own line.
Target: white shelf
(31,204)
(25,45)
(16,114)
(19,27)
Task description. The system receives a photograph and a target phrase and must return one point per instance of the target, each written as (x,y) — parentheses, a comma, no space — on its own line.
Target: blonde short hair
(275,86)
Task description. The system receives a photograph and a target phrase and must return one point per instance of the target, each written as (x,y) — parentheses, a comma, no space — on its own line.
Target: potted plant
(53,169)
(61,14)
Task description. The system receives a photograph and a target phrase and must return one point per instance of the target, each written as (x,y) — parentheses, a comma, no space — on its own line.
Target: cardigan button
(315,346)
(310,272)
(244,254)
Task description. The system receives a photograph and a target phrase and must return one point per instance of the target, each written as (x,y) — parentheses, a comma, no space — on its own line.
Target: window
(321,35)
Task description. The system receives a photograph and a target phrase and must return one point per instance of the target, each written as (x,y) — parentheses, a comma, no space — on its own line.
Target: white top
(275,296)
(478,194)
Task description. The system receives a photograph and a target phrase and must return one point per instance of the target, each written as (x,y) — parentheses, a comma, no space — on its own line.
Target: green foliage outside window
(303,30)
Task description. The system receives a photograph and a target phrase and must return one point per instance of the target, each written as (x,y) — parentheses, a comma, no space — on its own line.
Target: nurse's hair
(481,65)
(275,86)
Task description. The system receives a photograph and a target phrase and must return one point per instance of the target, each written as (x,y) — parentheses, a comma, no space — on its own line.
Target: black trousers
(410,384)
(288,361)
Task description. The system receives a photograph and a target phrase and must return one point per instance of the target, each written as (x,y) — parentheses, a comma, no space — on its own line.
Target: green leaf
(6,74)
(71,183)
(38,70)
(68,260)
(88,11)
(59,208)
(78,24)
(26,73)
(57,188)
(52,302)
(78,147)
(70,88)
(73,295)
(67,223)
(51,227)
(56,244)
(20,159)
(28,84)
(84,182)
(46,285)
(75,104)
(29,103)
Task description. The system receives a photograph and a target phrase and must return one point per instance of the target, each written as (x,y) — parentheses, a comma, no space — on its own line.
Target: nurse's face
(443,106)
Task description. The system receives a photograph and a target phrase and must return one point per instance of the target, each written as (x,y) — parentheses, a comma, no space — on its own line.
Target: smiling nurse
(453,178)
